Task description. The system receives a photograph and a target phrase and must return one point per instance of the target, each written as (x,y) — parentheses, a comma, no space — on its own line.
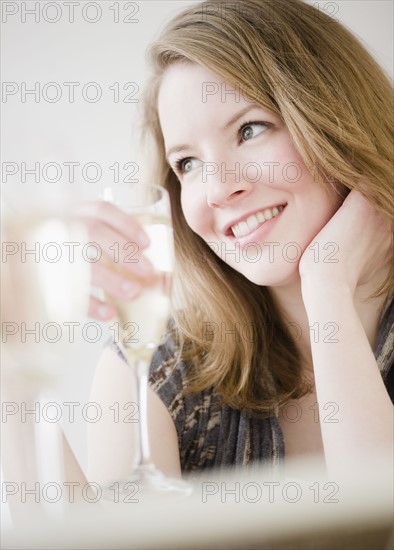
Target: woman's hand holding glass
(121,243)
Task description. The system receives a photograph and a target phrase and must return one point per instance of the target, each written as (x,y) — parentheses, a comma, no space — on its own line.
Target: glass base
(150,479)
(146,482)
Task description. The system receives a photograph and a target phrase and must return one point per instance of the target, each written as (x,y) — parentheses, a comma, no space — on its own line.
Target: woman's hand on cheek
(349,250)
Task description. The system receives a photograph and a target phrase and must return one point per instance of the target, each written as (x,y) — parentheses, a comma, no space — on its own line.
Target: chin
(280,273)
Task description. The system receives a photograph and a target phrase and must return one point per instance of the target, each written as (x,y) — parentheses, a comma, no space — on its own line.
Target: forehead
(187,75)
(192,93)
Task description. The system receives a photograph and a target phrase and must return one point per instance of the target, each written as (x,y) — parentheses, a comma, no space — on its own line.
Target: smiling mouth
(254,221)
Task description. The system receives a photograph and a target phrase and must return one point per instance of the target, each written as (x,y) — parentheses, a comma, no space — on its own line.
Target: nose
(225,183)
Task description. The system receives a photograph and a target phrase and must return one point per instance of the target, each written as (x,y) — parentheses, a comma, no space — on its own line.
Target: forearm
(346,373)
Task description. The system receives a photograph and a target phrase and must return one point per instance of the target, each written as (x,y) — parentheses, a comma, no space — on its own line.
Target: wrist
(315,292)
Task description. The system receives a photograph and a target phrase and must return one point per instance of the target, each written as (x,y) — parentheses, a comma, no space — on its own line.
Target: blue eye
(184,165)
(248,131)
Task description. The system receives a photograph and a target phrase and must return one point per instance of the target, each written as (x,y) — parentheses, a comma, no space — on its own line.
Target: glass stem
(49,456)
(141,369)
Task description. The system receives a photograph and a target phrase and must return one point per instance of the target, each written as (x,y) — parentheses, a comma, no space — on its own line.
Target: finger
(120,251)
(114,284)
(114,217)
(100,310)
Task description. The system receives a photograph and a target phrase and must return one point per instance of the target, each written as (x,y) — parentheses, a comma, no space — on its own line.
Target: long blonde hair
(336,101)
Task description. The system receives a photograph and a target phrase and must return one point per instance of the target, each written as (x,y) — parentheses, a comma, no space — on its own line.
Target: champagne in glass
(143,320)
(42,289)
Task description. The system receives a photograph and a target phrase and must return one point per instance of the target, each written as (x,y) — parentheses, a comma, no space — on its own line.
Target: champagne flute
(143,320)
(42,292)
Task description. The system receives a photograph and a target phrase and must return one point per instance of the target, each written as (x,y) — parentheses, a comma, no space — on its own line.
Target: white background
(106,131)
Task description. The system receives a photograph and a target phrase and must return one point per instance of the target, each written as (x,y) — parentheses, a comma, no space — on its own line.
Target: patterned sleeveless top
(213,435)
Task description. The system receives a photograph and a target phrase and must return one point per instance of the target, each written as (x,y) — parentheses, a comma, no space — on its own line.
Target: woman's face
(244,188)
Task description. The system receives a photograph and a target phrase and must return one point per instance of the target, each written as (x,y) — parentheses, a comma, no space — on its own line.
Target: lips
(250,222)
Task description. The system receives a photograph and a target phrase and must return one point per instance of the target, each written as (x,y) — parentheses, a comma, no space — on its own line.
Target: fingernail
(130,289)
(143,240)
(144,267)
(103,312)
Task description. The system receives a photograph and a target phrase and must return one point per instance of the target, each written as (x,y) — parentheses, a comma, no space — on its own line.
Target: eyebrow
(233,120)
(239,115)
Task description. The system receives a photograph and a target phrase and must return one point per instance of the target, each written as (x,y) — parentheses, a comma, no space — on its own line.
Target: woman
(273,131)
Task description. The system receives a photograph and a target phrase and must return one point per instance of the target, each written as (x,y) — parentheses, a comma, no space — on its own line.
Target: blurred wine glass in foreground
(44,286)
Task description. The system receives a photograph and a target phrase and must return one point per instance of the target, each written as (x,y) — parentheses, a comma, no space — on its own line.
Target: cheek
(193,211)
(313,208)
(280,166)
(295,175)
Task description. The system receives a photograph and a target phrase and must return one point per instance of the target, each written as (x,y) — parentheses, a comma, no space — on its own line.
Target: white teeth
(243,228)
(253,221)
